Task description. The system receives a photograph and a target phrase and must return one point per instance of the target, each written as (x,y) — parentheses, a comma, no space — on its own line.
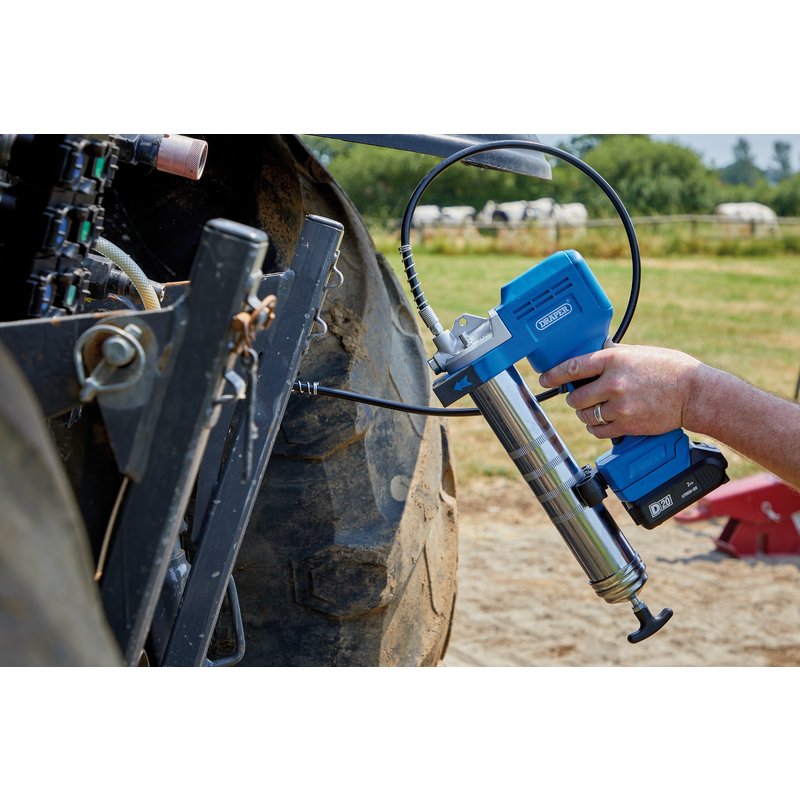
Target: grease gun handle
(648,624)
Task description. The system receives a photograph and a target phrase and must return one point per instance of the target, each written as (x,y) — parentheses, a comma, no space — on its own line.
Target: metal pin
(338,280)
(323,325)
(250,361)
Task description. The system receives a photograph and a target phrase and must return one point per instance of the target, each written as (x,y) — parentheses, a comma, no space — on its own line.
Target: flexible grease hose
(426,312)
(139,280)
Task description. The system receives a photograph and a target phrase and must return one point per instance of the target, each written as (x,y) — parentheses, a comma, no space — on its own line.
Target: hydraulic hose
(307,387)
(139,280)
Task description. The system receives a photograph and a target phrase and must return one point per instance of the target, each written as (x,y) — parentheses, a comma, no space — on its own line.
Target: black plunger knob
(648,624)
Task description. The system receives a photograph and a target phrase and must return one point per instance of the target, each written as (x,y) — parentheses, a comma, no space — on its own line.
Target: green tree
(377,179)
(380,180)
(651,177)
(782,156)
(743,170)
(582,143)
(786,198)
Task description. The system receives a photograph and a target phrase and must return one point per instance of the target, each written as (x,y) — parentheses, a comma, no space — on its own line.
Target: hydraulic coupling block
(554,311)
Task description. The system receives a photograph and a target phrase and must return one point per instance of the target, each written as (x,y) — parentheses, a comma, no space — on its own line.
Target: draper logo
(661,505)
(554,316)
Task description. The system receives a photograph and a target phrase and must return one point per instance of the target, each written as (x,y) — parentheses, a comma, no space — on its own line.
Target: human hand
(638,390)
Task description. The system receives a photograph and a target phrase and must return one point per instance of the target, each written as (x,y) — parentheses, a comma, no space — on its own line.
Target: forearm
(760,426)
(649,390)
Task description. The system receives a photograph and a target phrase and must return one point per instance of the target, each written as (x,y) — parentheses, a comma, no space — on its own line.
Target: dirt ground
(523,600)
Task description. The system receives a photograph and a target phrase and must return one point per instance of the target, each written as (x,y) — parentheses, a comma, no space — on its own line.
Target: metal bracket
(238,628)
(470,338)
(161,418)
(120,349)
(223,504)
(177,420)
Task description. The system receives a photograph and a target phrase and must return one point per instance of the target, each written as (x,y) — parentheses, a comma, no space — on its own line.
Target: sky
(716,149)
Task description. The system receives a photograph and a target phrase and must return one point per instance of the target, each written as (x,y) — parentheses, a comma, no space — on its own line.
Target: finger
(611,430)
(587,396)
(574,369)
(587,415)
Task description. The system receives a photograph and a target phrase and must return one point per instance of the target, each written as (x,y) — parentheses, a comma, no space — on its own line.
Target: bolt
(118,351)
(434,365)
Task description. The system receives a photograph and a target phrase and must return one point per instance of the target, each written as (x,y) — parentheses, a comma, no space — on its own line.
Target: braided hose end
(431,320)
(427,314)
(137,277)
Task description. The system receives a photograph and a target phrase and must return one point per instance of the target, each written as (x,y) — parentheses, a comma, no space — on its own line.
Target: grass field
(738,314)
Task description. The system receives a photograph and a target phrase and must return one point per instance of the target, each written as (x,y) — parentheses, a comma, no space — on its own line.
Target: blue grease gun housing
(557,310)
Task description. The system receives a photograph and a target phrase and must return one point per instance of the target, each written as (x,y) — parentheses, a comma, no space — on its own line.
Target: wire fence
(664,234)
(694,222)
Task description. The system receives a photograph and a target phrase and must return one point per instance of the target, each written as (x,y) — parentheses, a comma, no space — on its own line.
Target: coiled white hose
(139,280)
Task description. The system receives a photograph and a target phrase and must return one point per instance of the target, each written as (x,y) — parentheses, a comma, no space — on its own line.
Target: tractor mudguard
(522,162)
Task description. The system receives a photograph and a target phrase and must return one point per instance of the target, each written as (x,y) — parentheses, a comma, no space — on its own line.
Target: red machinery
(764,516)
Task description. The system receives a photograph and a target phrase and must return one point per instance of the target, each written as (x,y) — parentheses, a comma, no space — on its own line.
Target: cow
(757,215)
(457,215)
(426,215)
(573,215)
(513,212)
(746,212)
(541,209)
(545,211)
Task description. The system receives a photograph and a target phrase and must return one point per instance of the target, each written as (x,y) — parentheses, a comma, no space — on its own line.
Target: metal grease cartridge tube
(615,570)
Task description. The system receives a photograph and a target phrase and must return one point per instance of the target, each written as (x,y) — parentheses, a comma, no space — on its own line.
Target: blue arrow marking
(461,385)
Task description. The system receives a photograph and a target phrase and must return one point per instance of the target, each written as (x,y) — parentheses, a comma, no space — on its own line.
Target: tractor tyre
(351,552)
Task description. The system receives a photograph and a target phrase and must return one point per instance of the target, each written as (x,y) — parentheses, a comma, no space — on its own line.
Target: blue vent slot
(542,299)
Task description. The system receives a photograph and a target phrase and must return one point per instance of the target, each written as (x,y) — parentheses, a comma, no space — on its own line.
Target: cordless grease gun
(552,312)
